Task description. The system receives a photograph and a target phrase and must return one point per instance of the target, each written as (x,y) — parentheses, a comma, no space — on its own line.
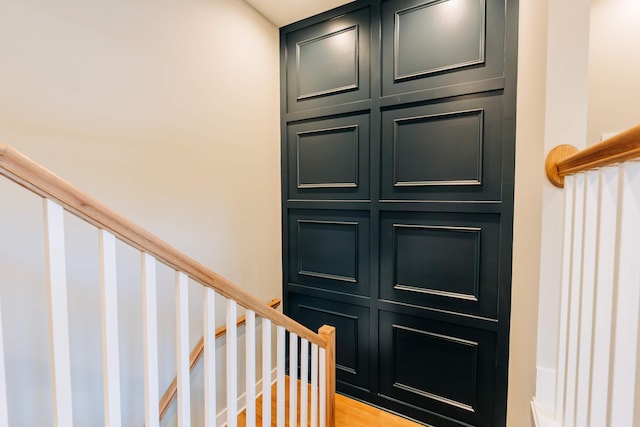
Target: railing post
(329,335)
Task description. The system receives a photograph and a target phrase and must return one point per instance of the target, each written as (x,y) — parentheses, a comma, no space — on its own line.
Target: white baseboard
(545,387)
(221,418)
(542,417)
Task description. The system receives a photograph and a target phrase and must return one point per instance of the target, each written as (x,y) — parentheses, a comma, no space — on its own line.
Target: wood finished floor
(349,413)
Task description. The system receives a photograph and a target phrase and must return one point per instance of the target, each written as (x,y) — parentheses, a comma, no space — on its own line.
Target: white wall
(614,67)
(165,110)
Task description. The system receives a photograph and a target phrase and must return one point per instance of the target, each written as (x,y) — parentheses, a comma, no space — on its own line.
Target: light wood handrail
(566,160)
(195,356)
(29,174)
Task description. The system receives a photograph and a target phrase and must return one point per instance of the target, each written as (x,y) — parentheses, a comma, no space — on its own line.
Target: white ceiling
(284,12)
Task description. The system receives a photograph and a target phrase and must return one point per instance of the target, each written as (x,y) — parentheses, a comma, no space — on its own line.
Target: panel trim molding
(355,319)
(356,83)
(356,137)
(324,275)
(430,117)
(396,44)
(456,340)
(404,287)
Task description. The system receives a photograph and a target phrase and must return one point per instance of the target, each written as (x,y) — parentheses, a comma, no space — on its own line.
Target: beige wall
(167,111)
(552,109)
(614,67)
(532,53)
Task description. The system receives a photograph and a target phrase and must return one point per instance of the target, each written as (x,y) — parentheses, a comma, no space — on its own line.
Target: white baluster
(209,328)
(624,397)
(569,315)
(266,372)
(323,387)
(574,302)
(567,250)
(293,379)
(304,381)
(314,385)
(281,337)
(592,181)
(232,364)
(110,340)
(602,337)
(4,412)
(58,314)
(150,340)
(182,353)
(250,348)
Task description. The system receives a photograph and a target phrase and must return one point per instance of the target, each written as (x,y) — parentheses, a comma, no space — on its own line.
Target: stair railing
(597,372)
(317,383)
(194,358)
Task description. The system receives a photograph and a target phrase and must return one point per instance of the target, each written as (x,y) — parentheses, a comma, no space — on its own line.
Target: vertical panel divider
(232,364)
(266,372)
(110,336)
(182,352)
(209,328)
(58,314)
(150,341)
(250,349)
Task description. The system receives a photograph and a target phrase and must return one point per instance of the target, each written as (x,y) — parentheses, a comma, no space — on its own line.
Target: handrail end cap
(556,155)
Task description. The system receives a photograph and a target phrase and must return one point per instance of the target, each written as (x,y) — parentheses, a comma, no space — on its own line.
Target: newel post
(329,335)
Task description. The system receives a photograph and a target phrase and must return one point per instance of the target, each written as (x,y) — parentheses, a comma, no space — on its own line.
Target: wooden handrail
(29,174)
(566,160)
(195,356)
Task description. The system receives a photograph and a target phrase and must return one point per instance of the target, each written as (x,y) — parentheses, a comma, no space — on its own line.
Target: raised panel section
(316,75)
(446,261)
(442,368)
(436,44)
(328,62)
(329,158)
(329,250)
(437,260)
(443,151)
(352,332)
(446,373)
(437,36)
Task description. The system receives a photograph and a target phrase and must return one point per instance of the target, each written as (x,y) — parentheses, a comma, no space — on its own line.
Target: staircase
(596,381)
(310,355)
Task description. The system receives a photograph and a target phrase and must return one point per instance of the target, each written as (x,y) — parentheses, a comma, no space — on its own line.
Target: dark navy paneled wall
(398,138)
